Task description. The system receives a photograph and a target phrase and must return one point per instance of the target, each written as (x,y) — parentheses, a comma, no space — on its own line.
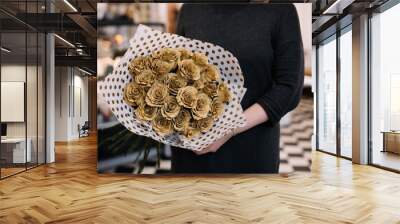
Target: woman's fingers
(213,147)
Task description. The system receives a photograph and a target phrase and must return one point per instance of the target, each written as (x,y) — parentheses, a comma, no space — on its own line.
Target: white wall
(12,73)
(79,117)
(61,103)
(69,82)
(16,73)
(304,11)
(33,126)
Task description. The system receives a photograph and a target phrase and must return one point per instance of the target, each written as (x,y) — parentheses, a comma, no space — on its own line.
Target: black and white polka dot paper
(147,40)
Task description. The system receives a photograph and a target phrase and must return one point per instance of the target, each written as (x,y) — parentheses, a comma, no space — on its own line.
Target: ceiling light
(5,50)
(70,5)
(64,40)
(84,71)
(337,7)
(79,51)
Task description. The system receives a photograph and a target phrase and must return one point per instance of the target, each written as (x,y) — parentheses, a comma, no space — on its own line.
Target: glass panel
(32,88)
(77,110)
(385,89)
(346,94)
(31,98)
(327,96)
(13,86)
(41,98)
(23,87)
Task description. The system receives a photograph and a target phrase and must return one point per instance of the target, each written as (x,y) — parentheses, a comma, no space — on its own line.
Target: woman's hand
(213,147)
(254,115)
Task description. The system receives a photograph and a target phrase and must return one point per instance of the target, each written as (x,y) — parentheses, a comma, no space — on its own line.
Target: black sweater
(266,39)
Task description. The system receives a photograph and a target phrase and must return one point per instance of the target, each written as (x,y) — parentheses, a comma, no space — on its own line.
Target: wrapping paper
(147,40)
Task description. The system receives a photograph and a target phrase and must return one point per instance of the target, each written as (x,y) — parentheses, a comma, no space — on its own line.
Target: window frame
(333,37)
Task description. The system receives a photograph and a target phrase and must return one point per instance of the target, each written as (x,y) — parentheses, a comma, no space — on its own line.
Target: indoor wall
(71,102)
(22,107)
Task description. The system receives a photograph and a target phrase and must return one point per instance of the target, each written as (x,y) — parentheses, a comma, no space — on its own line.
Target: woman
(266,39)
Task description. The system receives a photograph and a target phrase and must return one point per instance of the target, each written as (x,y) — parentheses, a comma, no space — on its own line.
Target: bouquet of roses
(175,90)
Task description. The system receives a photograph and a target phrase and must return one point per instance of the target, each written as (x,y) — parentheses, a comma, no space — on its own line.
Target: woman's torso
(247,31)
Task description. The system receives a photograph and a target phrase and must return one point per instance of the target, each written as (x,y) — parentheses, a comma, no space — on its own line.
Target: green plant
(119,141)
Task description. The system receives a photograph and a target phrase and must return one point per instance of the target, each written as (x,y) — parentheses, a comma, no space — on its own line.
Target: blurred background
(119,150)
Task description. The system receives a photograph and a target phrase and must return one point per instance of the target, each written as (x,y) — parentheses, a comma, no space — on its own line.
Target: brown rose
(223,93)
(146,112)
(162,67)
(162,126)
(203,106)
(204,124)
(185,54)
(191,132)
(187,96)
(170,55)
(138,65)
(157,95)
(164,79)
(175,82)
(217,108)
(200,59)
(145,78)
(171,108)
(210,73)
(133,94)
(181,122)
(211,89)
(188,70)
(199,84)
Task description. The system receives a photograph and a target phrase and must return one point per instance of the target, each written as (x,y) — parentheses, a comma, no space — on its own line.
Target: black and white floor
(296,132)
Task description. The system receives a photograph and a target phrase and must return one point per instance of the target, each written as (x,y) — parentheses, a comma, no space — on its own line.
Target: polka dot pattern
(147,40)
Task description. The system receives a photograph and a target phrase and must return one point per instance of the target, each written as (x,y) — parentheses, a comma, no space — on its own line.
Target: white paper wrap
(147,40)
